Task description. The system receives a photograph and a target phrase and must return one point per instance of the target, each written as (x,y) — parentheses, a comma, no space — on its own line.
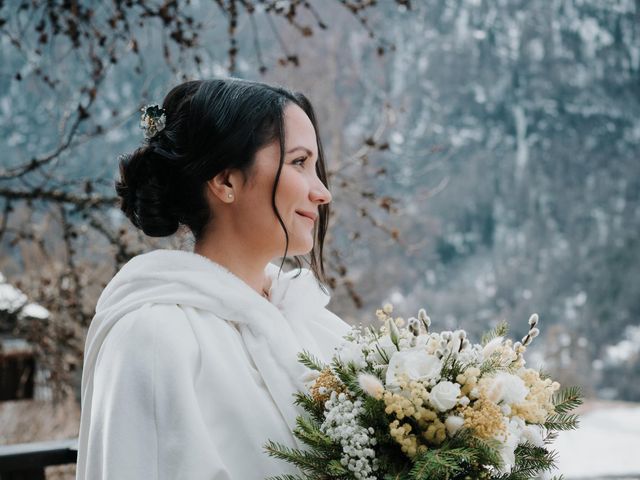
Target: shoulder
(150,335)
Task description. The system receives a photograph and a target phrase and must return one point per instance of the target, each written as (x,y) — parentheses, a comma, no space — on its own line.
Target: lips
(306,214)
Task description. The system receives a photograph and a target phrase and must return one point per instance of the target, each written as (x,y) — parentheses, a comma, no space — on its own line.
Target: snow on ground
(606,444)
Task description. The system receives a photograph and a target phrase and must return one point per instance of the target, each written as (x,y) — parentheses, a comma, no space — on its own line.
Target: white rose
(351,352)
(444,396)
(513,389)
(415,363)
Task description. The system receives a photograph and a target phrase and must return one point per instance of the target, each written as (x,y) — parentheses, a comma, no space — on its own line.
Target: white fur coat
(188,371)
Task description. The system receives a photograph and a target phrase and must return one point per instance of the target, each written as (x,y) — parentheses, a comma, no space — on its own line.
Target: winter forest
(481,159)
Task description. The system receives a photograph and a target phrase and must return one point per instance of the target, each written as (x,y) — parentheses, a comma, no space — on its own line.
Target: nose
(319,193)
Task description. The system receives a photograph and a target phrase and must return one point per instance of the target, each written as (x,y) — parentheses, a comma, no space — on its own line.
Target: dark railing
(27,461)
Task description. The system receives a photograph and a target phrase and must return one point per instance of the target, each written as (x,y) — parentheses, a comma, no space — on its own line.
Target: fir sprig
(499,330)
(531,461)
(309,405)
(441,463)
(562,422)
(567,400)
(309,432)
(310,361)
(308,461)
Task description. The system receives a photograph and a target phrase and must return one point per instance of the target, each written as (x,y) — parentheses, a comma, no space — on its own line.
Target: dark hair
(211,125)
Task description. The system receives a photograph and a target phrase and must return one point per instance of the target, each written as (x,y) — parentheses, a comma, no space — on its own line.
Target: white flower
(509,444)
(341,425)
(490,347)
(512,388)
(371,385)
(351,352)
(387,347)
(533,434)
(444,395)
(415,363)
(453,424)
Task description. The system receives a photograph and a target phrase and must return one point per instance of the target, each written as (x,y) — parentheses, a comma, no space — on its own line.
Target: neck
(239,259)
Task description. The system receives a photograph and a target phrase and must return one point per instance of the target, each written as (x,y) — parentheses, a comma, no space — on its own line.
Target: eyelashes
(302,160)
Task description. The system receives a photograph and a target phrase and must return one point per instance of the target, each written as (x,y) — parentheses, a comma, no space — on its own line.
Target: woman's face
(298,194)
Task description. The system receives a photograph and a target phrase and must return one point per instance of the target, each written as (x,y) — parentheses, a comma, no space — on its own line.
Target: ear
(225,185)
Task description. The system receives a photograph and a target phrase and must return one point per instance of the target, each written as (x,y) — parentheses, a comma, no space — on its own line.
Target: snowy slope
(606,444)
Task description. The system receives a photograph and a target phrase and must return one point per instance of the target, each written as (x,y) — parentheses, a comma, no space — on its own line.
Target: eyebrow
(300,147)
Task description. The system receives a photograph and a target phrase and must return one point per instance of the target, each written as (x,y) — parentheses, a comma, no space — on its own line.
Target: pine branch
(532,460)
(488,450)
(348,374)
(287,476)
(562,421)
(309,405)
(567,400)
(335,469)
(396,476)
(499,330)
(441,463)
(550,438)
(306,461)
(491,364)
(309,432)
(310,361)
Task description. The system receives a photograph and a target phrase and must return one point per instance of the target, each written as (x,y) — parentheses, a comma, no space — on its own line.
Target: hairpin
(153,120)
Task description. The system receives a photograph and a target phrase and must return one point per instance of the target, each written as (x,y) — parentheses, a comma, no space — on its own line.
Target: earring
(230,195)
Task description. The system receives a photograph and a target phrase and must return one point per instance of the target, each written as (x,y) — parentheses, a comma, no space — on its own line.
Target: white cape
(188,371)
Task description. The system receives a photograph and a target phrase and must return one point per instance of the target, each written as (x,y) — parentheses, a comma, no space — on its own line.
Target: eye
(301,161)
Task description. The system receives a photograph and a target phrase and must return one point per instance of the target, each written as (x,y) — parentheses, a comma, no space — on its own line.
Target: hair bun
(145,192)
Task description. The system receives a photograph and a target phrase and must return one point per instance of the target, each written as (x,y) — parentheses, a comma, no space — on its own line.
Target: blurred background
(484,161)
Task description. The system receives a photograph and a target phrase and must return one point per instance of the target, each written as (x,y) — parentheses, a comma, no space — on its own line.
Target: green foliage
(564,402)
(531,461)
(441,463)
(308,461)
(567,399)
(347,373)
(309,405)
(451,367)
(561,421)
(288,477)
(491,365)
(499,330)
(310,361)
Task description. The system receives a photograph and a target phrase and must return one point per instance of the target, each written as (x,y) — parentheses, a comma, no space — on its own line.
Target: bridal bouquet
(403,402)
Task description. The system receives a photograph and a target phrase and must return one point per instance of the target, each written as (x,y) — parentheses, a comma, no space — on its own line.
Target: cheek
(291,193)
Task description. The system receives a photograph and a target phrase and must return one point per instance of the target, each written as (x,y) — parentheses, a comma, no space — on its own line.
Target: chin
(300,251)
(300,247)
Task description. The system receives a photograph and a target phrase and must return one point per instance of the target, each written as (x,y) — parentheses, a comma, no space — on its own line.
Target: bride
(190,361)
